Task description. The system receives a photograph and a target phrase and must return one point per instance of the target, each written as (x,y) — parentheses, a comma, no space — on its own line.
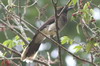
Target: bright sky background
(96,13)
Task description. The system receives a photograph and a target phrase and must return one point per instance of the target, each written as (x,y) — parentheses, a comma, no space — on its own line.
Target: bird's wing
(30,51)
(48,22)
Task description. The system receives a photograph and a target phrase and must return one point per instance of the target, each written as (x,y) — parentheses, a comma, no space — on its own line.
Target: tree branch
(14,51)
(16,32)
(57,32)
(18,58)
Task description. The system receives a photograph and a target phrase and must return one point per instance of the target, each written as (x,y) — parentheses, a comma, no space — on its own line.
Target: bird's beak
(69,8)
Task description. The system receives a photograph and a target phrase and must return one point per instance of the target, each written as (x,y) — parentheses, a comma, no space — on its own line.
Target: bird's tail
(31,50)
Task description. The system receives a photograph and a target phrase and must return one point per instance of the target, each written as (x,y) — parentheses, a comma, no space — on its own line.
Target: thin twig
(18,22)
(14,51)
(92,59)
(78,4)
(83,21)
(6,34)
(57,32)
(16,32)
(94,5)
(49,59)
(35,2)
(28,28)
(12,58)
(64,7)
(18,58)
(25,9)
(41,62)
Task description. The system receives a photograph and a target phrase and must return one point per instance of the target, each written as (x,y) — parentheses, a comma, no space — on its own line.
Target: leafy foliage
(66,39)
(78,48)
(12,43)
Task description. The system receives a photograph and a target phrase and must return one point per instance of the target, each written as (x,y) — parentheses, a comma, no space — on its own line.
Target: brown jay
(49,29)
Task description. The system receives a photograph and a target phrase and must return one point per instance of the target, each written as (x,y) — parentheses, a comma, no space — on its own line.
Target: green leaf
(19,41)
(89,46)
(7,42)
(4,53)
(22,43)
(29,39)
(64,39)
(13,44)
(86,6)
(75,1)
(73,18)
(77,28)
(92,11)
(96,44)
(10,45)
(87,13)
(71,41)
(69,3)
(78,48)
(17,37)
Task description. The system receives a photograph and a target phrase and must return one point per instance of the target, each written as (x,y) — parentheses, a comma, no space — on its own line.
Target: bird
(49,29)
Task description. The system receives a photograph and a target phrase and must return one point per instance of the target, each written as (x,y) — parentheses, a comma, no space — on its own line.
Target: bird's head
(64,9)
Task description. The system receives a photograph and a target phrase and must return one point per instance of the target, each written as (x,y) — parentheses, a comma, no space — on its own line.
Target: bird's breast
(50,30)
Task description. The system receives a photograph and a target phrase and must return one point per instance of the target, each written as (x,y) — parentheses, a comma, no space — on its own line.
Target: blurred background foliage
(37,15)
